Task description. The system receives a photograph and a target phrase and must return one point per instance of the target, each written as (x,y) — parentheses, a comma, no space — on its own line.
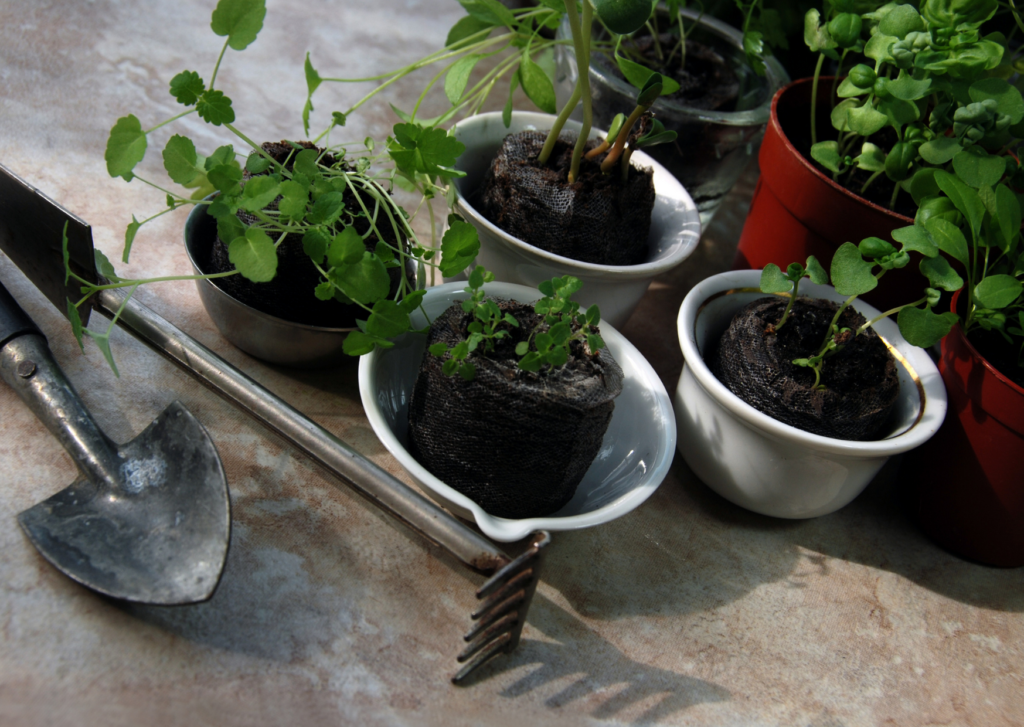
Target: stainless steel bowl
(264,336)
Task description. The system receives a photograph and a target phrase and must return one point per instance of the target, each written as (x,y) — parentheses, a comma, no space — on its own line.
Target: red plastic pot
(966,484)
(798,211)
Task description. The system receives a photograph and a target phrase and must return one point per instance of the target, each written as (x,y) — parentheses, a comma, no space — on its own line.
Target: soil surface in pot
(756,363)
(290,294)
(515,442)
(596,219)
(706,81)
(796,124)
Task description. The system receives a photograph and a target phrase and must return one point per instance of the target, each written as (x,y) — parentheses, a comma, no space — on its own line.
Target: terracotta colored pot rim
(807,163)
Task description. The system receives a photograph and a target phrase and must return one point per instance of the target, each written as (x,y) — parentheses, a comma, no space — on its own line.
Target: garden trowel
(145,521)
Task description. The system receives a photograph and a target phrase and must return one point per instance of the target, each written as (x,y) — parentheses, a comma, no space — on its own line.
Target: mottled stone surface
(687,611)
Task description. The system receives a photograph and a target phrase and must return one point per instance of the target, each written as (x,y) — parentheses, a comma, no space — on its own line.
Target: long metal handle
(29,368)
(371,481)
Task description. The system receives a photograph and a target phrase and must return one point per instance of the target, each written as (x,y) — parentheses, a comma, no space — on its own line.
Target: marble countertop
(688,610)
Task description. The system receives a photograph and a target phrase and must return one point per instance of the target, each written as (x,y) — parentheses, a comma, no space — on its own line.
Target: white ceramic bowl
(635,455)
(762,464)
(617,289)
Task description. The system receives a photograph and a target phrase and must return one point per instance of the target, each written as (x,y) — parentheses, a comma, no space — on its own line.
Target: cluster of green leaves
(932,78)
(546,345)
(856,270)
(328,198)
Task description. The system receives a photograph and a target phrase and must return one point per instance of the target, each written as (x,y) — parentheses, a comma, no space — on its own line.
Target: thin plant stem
(814,99)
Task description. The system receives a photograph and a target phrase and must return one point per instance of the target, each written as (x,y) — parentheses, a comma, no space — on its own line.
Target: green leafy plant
(512,42)
(932,92)
(334,199)
(546,345)
(856,270)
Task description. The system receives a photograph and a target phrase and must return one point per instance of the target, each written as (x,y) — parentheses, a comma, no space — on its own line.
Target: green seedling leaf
(651,90)
(458,76)
(425,150)
(104,266)
(365,282)
(773,280)
(466,27)
(1008,98)
(908,89)
(257,164)
(314,244)
(506,113)
(964,198)
(939,150)
(387,320)
(949,239)
(899,112)
(922,184)
(997,291)
(638,74)
(866,120)
(129,238)
(844,29)
(816,36)
(324,291)
(871,158)
(849,89)
(187,87)
(1007,215)
(240,20)
(840,116)
(226,178)
(327,208)
(215,108)
(126,147)
(878,47)
(941,274)
(897,163)
(875,247)
(76,324)
(305,163)
(491,12)
(753,48)
(259,192)
(358,343)
(222,155)
(850,273)
(922,327)
(815,272)
(537,85)
(229,228)
(103,344)
(313,82)
(254,255)
(916,239)
(346,248)
(294,199)
(412,301)
(901,20)
(459,247)
(978,168)
(827,154)
(623,16)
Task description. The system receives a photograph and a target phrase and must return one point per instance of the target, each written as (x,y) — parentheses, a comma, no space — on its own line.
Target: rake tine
(502,616)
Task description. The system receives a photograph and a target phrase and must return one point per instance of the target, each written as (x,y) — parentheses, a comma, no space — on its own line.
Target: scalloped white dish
(635,455)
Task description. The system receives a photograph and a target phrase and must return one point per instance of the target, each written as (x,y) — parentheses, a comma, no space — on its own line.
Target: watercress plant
(331,200)
(546,345)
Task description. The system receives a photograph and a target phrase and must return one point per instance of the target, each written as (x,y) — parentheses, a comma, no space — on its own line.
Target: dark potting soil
(596,219)
(515,442)
(706,81)
(756,363)
(290,294)
(1002,355)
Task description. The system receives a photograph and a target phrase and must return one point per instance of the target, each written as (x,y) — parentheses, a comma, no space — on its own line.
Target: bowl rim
(915,360)
(667,187)
(506,529)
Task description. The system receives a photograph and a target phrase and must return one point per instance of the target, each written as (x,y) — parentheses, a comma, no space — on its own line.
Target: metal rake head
(501,617)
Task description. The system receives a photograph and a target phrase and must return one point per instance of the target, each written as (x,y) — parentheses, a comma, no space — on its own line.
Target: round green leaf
(901,20)
(997,291)
(623,16)
(897,163)
(125,147)
(180,159)
(239,20)
(939,150)
(1008,98)
(978,168)
(773,280)
(254,255)
(941,274)
(923,328)
(851,274)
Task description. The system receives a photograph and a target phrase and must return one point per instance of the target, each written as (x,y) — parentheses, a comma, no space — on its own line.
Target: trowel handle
(27,365)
